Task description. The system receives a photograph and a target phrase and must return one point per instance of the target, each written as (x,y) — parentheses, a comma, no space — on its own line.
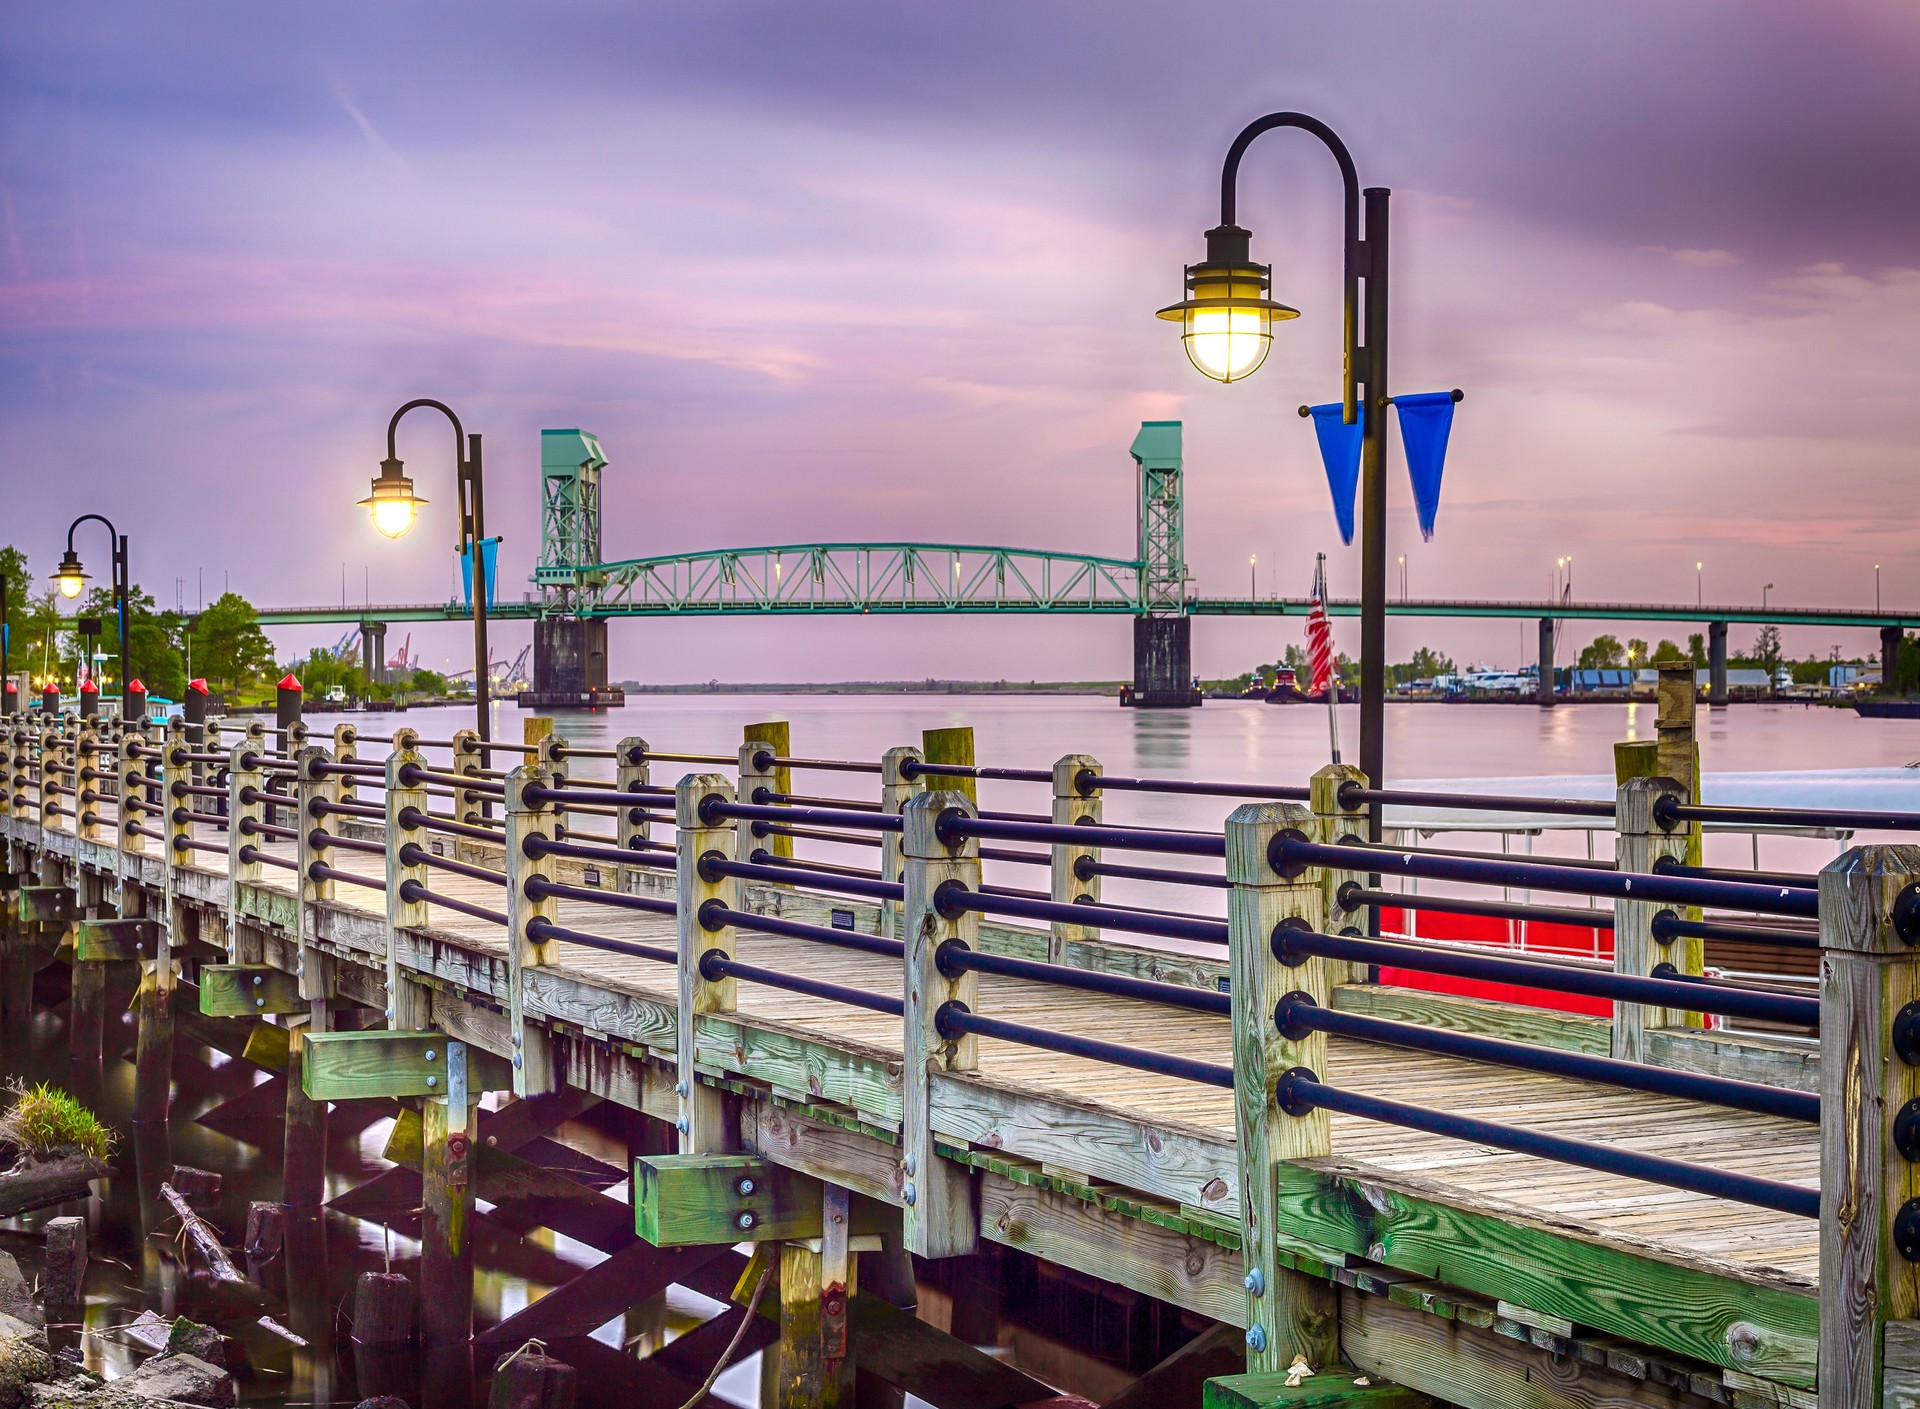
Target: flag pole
(1333,673)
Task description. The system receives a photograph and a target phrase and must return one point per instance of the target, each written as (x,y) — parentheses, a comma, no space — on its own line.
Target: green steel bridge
(579,591)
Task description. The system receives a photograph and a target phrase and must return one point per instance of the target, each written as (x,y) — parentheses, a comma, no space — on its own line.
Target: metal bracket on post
(1641,843)
(1073,807)
(630,826)
(407,1002)
(941,1218)
(896,790)
(1288,1313)
(702,1122)
(532,1055)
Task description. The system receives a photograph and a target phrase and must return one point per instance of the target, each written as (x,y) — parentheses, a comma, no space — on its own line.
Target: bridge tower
(1163,629)
(569,650)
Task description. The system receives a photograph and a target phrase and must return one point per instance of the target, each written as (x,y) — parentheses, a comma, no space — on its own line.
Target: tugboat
(1286,690)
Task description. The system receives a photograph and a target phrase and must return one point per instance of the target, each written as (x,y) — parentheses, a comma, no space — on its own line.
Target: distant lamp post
(1226,326)
(1699,585)
(1253,576)
(1403,577)
(71,579)
(1763,595)
(393,507)
(1876,587)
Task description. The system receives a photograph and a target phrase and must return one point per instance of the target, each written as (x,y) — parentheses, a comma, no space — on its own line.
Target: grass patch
(43,1121)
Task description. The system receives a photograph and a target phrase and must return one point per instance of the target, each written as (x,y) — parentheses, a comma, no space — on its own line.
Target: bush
(44,1121)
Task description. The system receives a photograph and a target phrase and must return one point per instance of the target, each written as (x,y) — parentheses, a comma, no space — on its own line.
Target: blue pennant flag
(1340,453)
(489,551)
(1425,419)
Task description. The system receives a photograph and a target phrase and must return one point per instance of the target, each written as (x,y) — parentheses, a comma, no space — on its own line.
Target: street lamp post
(393,506)
(1699,585)
(1253,577)
(71,578)
(1876,587)
(1763,595)
(1227,322)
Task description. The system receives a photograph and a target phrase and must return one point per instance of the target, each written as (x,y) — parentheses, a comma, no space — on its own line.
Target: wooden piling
(526,821)
(817,1286)
(952,746)
(528,1379)
(1869,1076)
(1333,824)
(704,1128)
(1288,1313)
(1641,843)
(303,1170)
(942,1215)
(382,1309)
(446,1245)
(64,1268)
(631,773)
(773,736)
(1072,807)
(408,1004)
(896,789)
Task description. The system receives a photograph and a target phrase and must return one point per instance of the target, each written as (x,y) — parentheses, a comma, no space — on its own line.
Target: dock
(845,1075)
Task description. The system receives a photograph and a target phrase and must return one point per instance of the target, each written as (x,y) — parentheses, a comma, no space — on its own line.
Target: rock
(383,1309)
(382,1401)
(191,1338)
(65,1267)
(148,1330)
(186,1379)
(16,1298)
(22,1330)
(22,1364)
(266,1230)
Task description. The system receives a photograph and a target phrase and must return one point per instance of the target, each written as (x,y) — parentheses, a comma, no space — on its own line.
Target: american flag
(1320,634)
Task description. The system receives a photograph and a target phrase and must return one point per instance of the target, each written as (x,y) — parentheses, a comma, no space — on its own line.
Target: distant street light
(1253,580)
(1763,595)
(393,506)
(1403,577)
(1699,590)
(71,578)
(1876,587)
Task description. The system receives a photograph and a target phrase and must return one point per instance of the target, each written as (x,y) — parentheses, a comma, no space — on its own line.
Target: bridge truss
(859,578)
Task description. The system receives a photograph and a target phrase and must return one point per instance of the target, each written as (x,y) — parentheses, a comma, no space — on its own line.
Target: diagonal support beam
(599,1294)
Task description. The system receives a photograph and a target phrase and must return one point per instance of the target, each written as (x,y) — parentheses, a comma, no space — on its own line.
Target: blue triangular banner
(1426,417)
(489,552)
(1340,453)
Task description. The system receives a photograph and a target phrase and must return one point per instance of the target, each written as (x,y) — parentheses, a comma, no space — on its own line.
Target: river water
(139,1267)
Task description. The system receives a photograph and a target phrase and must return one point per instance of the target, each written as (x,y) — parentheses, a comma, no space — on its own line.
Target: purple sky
(888,271)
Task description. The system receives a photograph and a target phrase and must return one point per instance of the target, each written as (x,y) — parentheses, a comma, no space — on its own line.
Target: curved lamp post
(71,578)
(393,506)
(1227,326)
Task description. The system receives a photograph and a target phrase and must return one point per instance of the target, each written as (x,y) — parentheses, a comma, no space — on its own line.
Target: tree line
(222,644)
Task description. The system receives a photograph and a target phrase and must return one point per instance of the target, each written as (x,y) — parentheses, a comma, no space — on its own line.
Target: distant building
(1600,682)
(1853,677)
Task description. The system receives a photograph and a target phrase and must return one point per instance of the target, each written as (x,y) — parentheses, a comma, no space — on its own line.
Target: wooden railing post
(50,759)
(941,1218)
(1073,806)
(896,790)
(172,855)
(1333,823)
(314,967)
(467,761)
(1869,1083)
(532,1055)
(409,1006)
(1288,1313)
(86,792)
(346,749)
(702,1122)
(631,771)
(241,780)
(774,737)
(131,770)
(1641,843)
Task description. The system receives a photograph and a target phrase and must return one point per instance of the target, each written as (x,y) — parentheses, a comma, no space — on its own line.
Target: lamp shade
(1226,320)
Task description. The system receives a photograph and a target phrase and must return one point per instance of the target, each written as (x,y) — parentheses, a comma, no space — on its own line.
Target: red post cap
(289,683)
(199,687)
(134,687)
(12,688)
(87,687)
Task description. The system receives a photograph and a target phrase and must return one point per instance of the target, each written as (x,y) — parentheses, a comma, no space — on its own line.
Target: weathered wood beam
(1764,1330)
(345,1066)
(599,1294)
(684,1200)
(1330,1389)
(1181,1378)
(248,991)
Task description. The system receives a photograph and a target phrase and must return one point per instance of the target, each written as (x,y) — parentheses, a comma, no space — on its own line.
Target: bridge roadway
(1461,608)
(1126,1175)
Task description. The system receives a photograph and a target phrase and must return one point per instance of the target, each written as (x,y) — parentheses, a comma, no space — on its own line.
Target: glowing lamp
(392,504)
(1226,321)
(70,577)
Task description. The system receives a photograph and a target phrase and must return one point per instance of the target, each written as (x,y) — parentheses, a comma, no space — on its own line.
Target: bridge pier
(570,665)
(1716,662)
(1162,663)
(1889,659)
(373,651)
(1545,695)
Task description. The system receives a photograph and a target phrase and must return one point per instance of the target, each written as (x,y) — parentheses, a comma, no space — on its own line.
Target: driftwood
(37,1183)
(202,1236)
(267,1323)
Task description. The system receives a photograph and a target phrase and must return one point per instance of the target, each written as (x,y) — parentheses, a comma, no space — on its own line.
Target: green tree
(1637,651)
(1605,653)
(1766,651)
(157,641)
(229,648)
(1697,649)
(1666,651)
(430,683)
